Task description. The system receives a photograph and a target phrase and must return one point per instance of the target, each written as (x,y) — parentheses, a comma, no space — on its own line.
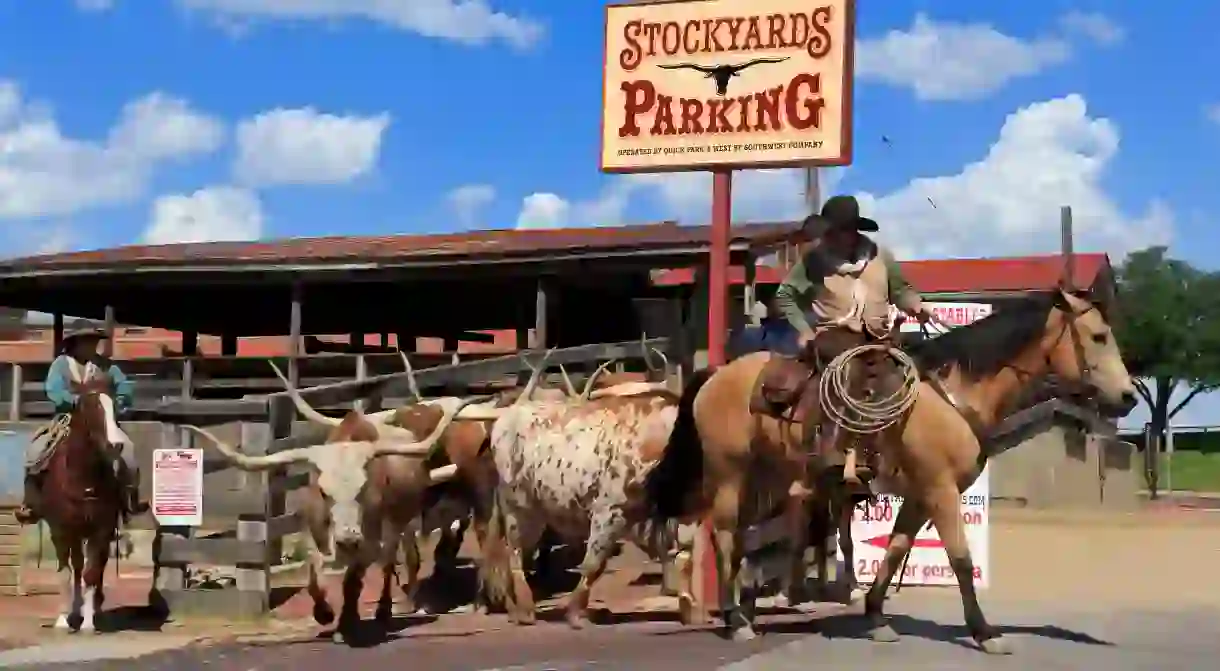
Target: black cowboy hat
(84,333)
(837,213)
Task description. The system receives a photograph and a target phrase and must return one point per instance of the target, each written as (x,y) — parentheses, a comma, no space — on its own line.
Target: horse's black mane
(987,345)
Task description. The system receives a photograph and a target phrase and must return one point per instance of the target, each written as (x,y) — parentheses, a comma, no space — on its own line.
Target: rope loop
(866,415)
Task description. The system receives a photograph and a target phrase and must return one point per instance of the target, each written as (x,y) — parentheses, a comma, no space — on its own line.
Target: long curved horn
(587,393)
(644,352)
(631,389)
(247,462)
(406,362)
(442,474)
(425,445)
(302,406)
(664,359)
(567,381)
(534,377)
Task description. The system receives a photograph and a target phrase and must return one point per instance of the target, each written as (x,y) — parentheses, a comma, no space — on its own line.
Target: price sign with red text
(928,564)
(177,496)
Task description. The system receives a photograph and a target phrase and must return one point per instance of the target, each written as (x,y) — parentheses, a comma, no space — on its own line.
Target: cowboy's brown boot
(29,512)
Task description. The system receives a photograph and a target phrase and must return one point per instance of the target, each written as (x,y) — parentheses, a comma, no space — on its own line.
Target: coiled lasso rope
(866,415)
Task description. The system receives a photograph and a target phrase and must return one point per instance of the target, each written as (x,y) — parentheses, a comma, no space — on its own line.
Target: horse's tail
(680,470)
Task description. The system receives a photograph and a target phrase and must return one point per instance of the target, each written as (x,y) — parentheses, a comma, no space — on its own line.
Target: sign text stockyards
(698,84)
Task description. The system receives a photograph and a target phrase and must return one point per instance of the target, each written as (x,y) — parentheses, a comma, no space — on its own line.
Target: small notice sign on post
(177,483)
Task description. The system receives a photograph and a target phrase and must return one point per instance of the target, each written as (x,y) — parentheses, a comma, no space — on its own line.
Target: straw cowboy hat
(838,212)
(89,333)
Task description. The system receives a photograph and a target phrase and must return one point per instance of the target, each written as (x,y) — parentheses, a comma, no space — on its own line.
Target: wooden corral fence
(10,549)
(254,546)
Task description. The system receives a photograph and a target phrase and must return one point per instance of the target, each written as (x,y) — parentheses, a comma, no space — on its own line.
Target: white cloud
(1048,154)
(472,22)
(94,5)
(1213,112)
(160,127)
(45,173)
(468,202)
(1095,26)
(305,146)
(209,214)
(954,61)
(758,195)
(544,210)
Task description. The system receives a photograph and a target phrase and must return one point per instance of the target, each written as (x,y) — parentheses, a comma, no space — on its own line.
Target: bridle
(1081,385)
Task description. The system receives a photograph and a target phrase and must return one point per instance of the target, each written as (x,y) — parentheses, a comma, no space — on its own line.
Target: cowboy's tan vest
(852,300)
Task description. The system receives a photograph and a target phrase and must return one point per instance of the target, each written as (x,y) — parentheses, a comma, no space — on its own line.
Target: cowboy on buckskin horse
(78,363)
(836,298)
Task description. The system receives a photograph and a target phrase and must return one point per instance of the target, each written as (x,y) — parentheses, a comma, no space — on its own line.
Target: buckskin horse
(730,462)
(82,502)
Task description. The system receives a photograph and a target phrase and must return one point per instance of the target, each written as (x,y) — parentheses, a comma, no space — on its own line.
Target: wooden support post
(228,345)
(254,579)
(541,337)
(697,323)
(57,334)
(280,417)
(186,391)
(294,336)
(362,372)
(383,339)
(190,343)
(108,324)
(169,580)
(355,341)
(14,404)
(750,294)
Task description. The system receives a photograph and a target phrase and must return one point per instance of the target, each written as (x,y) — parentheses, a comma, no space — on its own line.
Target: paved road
(1045,637)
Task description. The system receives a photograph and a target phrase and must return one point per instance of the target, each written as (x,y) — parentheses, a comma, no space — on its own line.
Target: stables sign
(699,84)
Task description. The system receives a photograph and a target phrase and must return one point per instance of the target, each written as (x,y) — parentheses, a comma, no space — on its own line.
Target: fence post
(254,579)
(280,414)
(169,582)
(14,403)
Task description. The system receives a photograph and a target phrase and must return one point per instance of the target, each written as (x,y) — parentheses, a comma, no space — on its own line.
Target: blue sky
(124,121)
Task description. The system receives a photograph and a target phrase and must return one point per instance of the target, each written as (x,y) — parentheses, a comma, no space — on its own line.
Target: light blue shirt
(59,389)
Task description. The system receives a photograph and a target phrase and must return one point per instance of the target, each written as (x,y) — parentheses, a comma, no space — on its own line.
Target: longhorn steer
(577,467)
(365,490)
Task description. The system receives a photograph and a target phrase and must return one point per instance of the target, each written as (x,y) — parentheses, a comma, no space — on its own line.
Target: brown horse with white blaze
(722,457)
(83,501)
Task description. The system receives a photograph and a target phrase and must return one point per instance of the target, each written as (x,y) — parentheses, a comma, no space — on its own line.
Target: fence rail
(254,545)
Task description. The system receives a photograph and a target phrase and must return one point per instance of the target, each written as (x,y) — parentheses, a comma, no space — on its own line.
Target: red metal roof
(1029,273)
(480,244)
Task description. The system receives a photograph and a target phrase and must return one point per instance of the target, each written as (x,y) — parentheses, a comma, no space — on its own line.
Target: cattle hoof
(524,619)
(744,634)
(323,614)
(577,620)
(884,634)
(686,609)
(384,614)
(337,637)
(995,646)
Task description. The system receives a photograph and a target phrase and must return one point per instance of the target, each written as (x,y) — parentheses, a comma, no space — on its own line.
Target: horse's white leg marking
(88,608)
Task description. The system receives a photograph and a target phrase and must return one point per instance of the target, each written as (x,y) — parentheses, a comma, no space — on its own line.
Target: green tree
(1169,329)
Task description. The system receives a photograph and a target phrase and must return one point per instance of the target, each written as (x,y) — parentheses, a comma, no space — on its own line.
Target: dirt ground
(1152,559)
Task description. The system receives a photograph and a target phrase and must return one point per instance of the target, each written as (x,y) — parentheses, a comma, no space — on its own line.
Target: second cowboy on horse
(836,298)
(78,362)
